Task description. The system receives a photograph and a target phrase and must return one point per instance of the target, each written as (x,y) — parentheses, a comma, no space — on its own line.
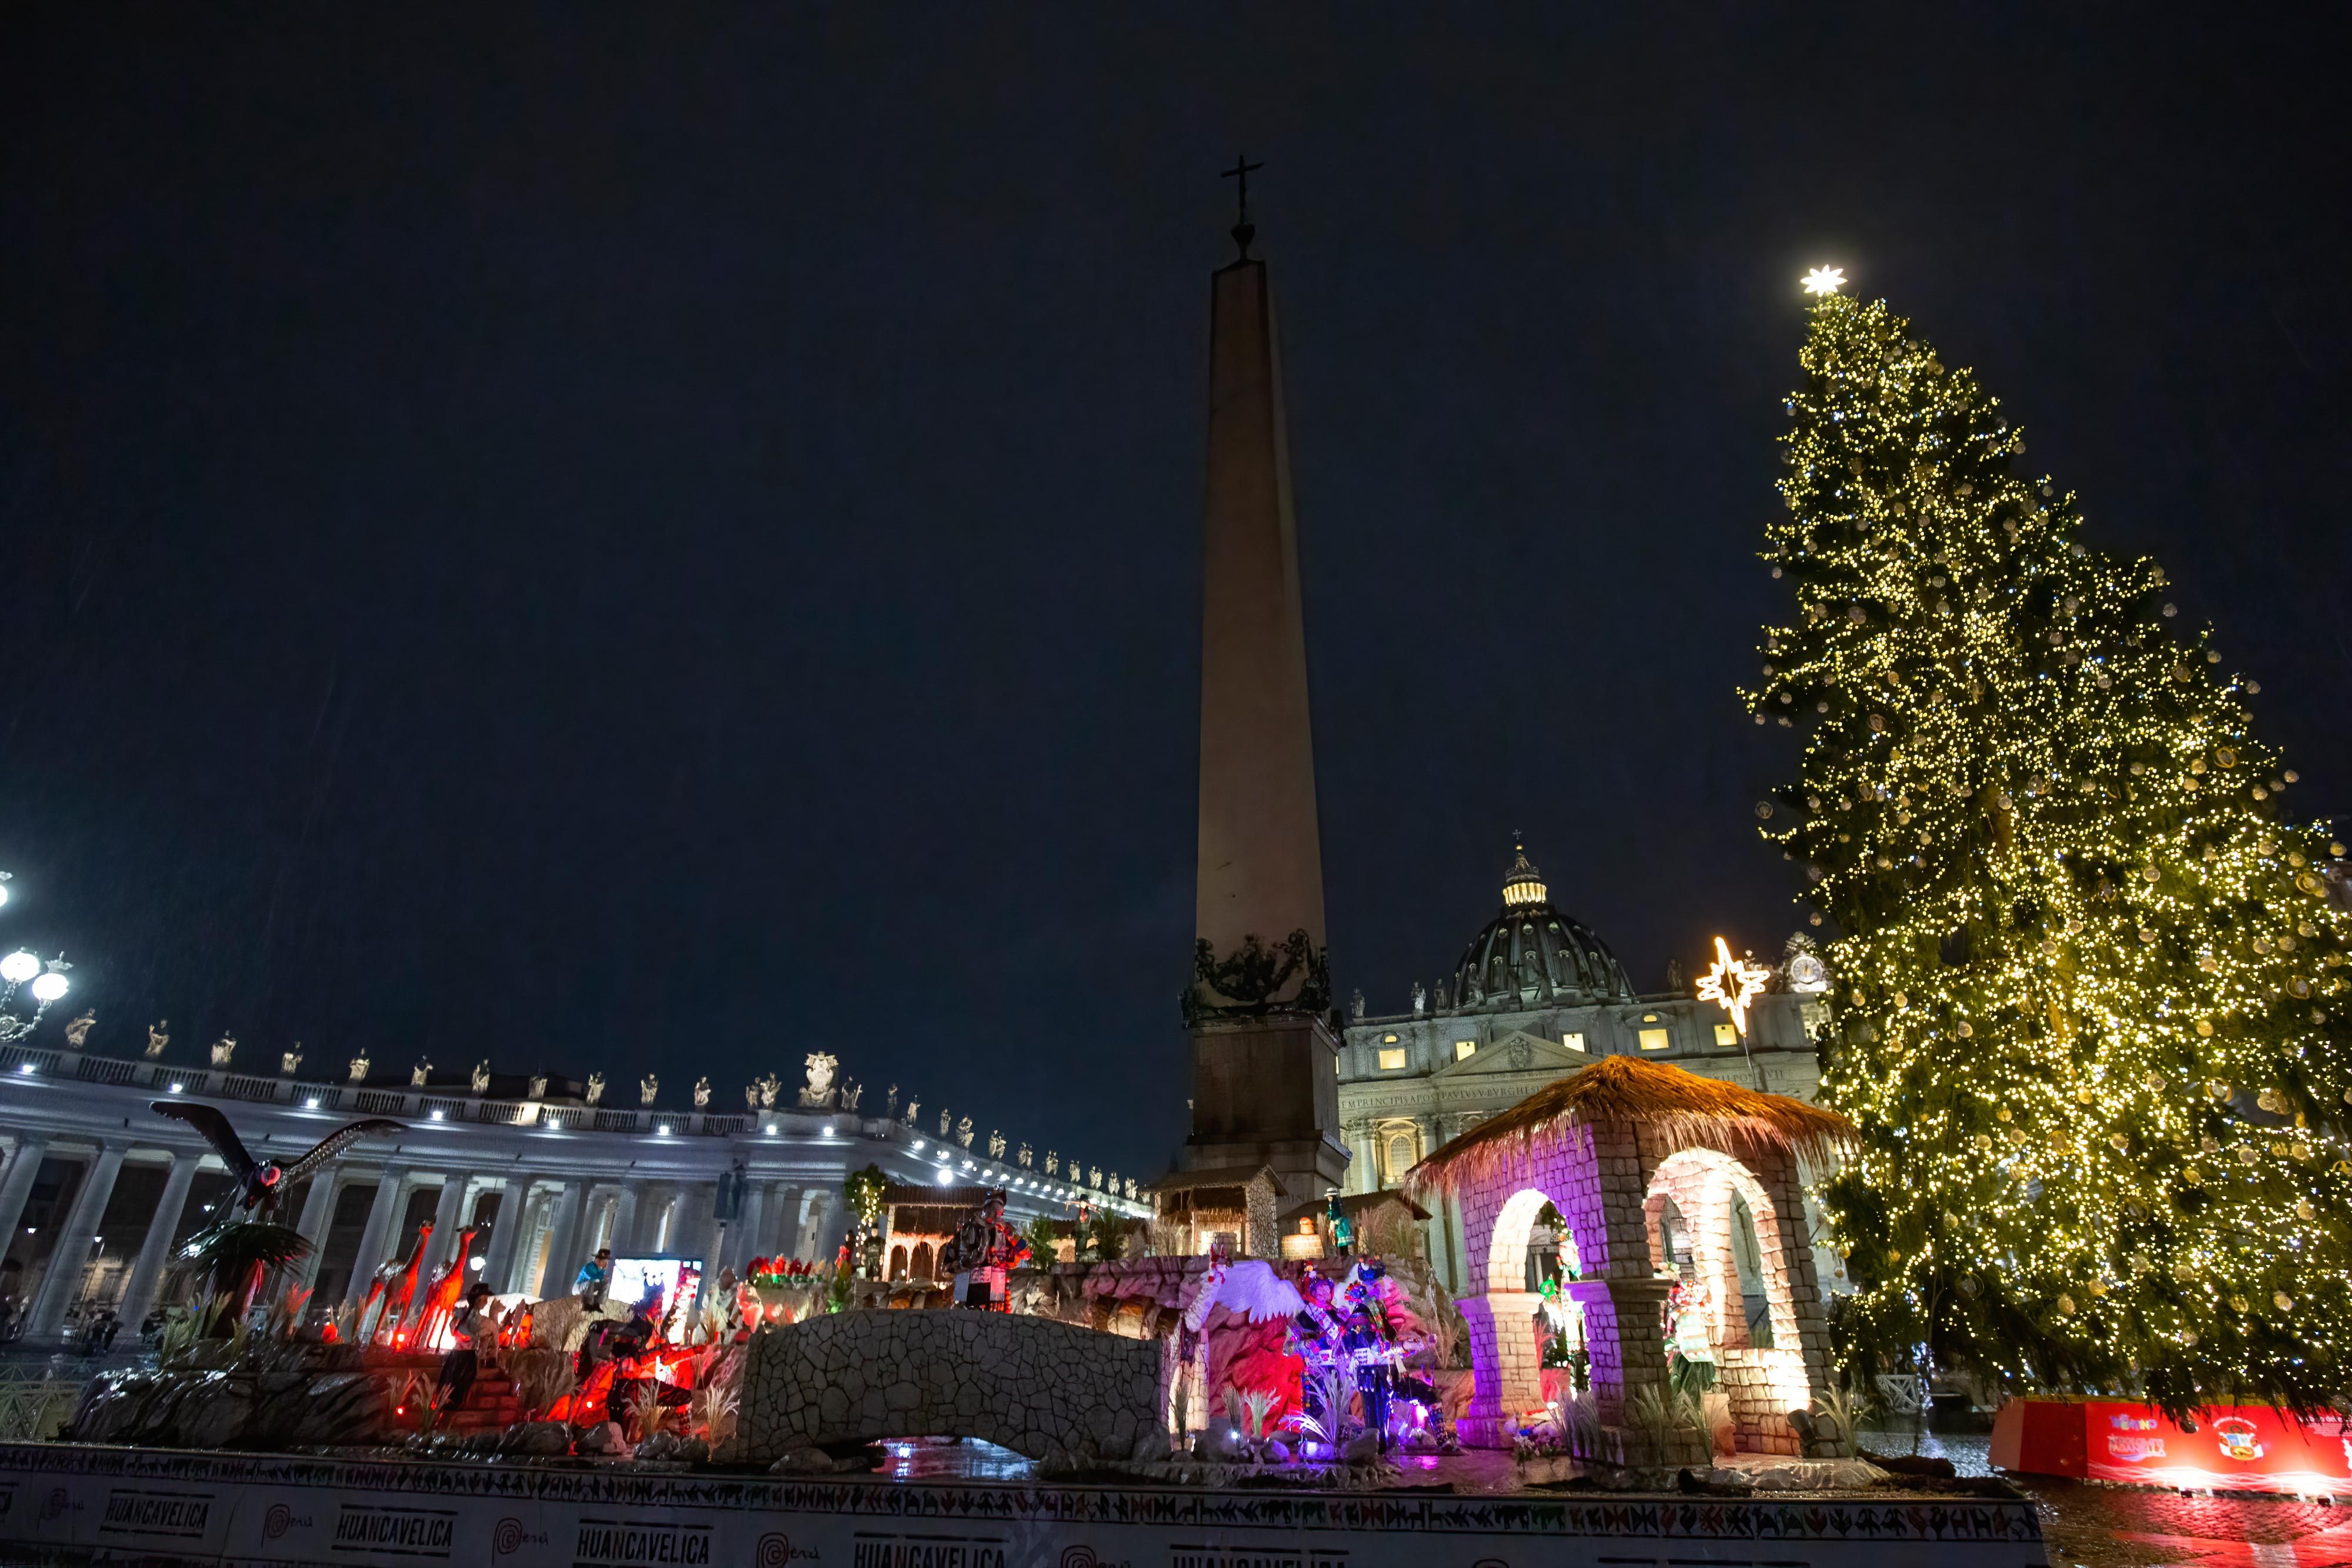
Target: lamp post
(49,984)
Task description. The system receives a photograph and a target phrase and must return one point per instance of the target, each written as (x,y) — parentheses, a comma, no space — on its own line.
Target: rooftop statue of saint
(819,1088)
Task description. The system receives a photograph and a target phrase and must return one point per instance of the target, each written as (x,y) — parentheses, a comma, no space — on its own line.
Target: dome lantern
(1522,883)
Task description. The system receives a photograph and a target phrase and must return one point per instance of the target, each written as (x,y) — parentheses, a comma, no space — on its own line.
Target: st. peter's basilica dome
(1532,955)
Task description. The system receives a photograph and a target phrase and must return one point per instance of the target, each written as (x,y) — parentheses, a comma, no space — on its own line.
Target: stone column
(1621,1320)
(743,1233)
(564,1223)
(317,1213)
(69,1258)
(696,1230)
(16,1184)
(536,1210)
(375,1239)
(447,1223)
(790,1199)
(625,1222)
(822,1239)
(784,1223)
(506,1231)
(147,1270)
(1501,1336)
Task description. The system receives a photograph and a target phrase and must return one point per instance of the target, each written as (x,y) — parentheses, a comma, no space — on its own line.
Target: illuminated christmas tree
(2090,975)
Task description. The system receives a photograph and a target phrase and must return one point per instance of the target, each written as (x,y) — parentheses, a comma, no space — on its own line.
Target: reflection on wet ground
(2085,1524)
(949,1458)
(952,1459)
(2101,1526)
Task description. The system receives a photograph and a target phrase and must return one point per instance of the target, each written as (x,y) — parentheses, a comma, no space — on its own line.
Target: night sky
(647,537)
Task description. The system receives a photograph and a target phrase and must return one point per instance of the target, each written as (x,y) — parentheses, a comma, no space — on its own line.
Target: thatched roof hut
(1681,1107)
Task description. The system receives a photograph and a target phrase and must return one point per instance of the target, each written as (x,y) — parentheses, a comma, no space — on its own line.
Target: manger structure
(1616,1150)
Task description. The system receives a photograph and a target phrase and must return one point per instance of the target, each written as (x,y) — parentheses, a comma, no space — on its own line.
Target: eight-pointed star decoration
(1825,280)
(1733,984)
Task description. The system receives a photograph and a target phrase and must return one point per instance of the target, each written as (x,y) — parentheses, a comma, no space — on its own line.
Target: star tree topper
(1825,280)
(1733,984)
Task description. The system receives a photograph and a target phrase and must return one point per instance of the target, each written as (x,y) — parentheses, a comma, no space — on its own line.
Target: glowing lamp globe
(50,988)
(18,967)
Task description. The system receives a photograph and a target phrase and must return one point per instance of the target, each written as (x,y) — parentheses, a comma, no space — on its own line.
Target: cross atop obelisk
(1243,231)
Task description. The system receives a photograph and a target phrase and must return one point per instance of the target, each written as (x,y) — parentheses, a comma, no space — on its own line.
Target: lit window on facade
(1464,1048)
(1400,1155)
(1388,1039)
(1392,1061)
(1726,1035)
(1655,1040)
(1573,1041)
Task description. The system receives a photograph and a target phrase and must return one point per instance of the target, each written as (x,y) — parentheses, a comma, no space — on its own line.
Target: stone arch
(1506,1250)
(899,1263)
(920,1265)
(1702,1183)
(1599,1176)
(1761,1382)
(1506,1341)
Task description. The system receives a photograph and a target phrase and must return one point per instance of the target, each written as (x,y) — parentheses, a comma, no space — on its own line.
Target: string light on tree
(1732,984)
(2095,1028)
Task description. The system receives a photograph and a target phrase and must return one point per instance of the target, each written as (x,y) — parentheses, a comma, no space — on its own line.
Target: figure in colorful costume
(1343,1231)
(980,1254)
(1315,1336)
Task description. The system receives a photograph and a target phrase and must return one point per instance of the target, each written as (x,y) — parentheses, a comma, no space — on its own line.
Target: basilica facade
(1535,996)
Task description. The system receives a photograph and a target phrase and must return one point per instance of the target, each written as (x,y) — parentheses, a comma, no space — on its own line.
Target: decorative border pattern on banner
(1893,1521)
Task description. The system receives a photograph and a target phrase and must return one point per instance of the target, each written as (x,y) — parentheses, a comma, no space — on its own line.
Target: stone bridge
(1029,1384)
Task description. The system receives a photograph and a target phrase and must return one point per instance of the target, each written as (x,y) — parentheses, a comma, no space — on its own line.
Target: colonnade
(545,1225)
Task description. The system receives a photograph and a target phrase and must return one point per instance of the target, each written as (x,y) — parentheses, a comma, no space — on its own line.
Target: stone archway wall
(1599,1178)
(1762,1385)
(1029,1384)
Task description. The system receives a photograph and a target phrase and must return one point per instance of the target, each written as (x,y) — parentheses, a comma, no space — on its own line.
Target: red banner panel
(2236,1447)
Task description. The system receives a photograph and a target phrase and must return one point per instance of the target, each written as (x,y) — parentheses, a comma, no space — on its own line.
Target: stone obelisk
(1265,1059)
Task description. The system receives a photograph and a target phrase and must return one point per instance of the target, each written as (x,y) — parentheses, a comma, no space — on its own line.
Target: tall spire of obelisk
(1261,854)
(1264,1079)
